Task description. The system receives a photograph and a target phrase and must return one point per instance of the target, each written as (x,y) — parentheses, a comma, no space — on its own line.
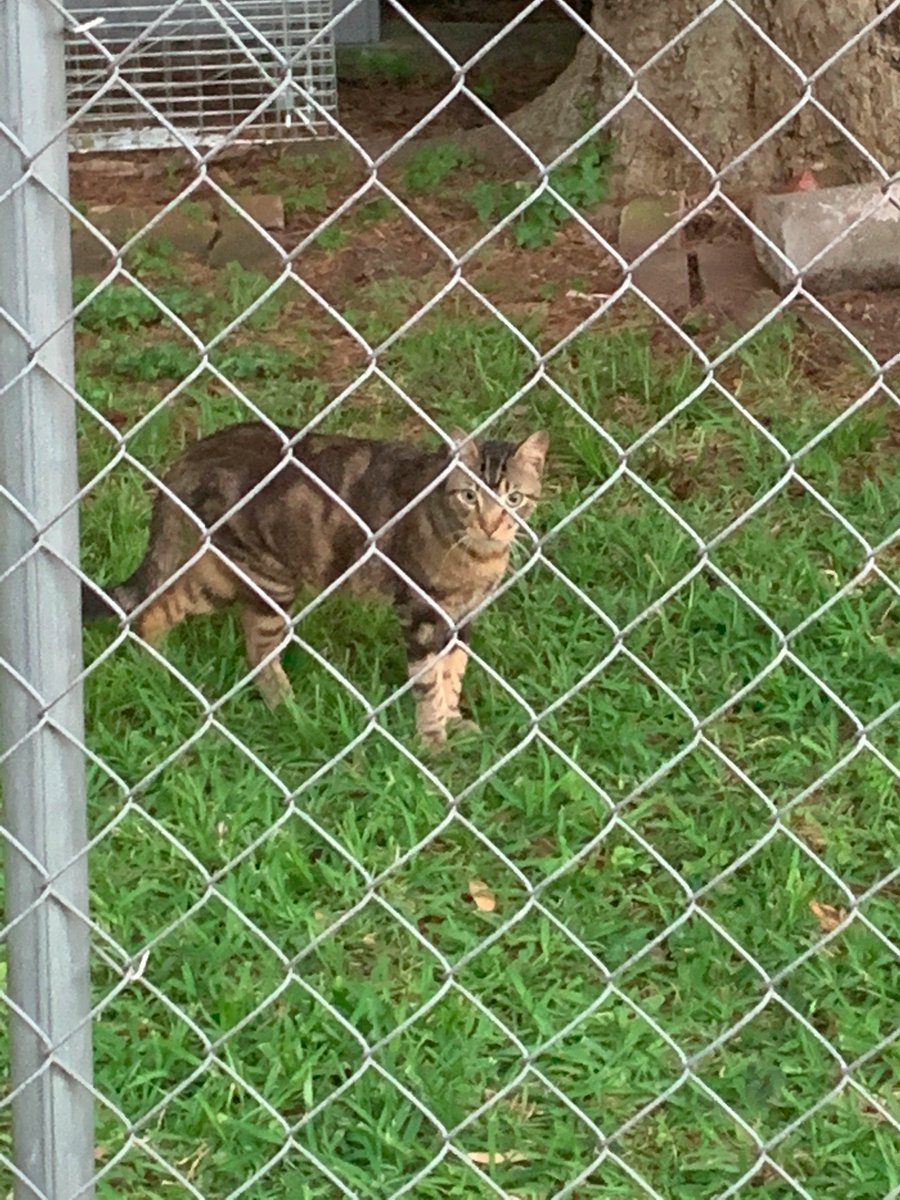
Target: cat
(452,546)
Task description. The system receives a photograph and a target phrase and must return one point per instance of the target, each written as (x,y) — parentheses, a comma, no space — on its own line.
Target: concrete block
(191,228)
(731,281)
(645,220)
(664,279)
(89,255)
(802,224)
(241,242)
(266,210)
(119,222)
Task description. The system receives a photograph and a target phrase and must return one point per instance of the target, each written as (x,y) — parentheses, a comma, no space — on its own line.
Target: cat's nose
(491,527)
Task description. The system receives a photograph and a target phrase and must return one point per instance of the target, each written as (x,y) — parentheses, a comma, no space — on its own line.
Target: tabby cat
(452,546)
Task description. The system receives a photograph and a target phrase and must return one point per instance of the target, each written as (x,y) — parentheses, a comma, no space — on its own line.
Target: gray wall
(362,25)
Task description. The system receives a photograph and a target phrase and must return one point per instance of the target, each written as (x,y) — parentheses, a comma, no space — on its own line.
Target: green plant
(581,182)
(376,210)
(154,256)
(156,360)
(312,197)
(395,66)
(430,166)
(332,238)
(117,305)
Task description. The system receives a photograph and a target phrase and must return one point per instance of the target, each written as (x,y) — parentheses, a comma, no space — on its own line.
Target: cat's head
(511,472)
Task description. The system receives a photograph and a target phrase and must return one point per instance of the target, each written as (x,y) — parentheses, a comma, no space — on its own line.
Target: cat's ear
(533,451)
(465,445)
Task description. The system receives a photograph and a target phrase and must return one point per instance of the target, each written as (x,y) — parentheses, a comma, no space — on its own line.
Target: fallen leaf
(484,1158)
(115,416)
(827,915)
(805,181)
(482,895)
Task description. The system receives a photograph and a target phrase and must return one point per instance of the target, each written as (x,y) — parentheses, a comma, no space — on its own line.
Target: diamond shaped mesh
(212,73)
(638,938)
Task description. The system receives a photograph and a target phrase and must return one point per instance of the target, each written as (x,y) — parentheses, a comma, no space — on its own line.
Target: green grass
(246,858)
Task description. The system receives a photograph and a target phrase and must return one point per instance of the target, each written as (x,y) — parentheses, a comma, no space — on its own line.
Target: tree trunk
(723,87)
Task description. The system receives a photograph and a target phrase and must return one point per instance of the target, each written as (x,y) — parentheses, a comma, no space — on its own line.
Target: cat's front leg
(454,663)
(435,671)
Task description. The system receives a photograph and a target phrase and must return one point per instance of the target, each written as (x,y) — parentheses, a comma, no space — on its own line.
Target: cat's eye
(514,499)
(468,495)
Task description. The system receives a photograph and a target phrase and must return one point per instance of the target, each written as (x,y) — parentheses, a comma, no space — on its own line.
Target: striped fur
(445,555)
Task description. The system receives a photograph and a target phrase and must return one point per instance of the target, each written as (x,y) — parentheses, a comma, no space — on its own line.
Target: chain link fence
(638,937)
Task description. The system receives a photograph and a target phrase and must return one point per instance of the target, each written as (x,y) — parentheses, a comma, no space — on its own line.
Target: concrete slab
(803,224)
(645,220)
(731,281)
(241,242)
(266,209)
(190,228)
(664,279)
(89,255)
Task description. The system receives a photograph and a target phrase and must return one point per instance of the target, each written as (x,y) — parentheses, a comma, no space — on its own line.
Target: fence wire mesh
(208,68)
(639,938)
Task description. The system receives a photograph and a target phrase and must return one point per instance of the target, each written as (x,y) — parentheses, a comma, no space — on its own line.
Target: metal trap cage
(198,72)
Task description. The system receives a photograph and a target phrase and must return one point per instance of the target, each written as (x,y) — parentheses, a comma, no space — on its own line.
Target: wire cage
(199,72)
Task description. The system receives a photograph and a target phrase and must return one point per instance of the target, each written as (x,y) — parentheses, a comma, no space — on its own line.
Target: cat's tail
(161,560)
(97,603)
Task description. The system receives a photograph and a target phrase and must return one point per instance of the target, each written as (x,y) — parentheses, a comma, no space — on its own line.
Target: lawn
(608,947)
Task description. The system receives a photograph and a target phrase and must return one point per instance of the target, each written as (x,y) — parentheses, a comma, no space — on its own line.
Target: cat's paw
(464,726)
(433,739)
(274,685)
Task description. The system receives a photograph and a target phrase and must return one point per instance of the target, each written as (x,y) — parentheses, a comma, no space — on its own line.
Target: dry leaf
(484,1158)
(804,181)
(827,915)
(482,895)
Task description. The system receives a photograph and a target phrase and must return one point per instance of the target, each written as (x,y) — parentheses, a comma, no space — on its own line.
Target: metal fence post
(41,719)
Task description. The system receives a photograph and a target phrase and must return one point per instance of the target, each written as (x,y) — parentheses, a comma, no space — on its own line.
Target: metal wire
(206,65)
(104,87)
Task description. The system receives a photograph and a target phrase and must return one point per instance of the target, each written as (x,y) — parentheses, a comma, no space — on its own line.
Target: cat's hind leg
(265,630)
(205,586)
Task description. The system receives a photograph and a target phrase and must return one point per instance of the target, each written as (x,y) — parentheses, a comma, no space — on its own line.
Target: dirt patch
(872,317)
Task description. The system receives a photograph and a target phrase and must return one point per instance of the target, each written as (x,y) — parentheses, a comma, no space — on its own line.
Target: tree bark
(723,87)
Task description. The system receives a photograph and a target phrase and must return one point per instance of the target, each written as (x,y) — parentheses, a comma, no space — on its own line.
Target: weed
(157,360)
(484,88)
(581,182)
(119,305)
(396,67)
(376,210)
(430,166)
(154,256)
(311,197)
(332,238)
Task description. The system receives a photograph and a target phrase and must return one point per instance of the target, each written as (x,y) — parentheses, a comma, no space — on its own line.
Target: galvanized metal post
(40,638)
